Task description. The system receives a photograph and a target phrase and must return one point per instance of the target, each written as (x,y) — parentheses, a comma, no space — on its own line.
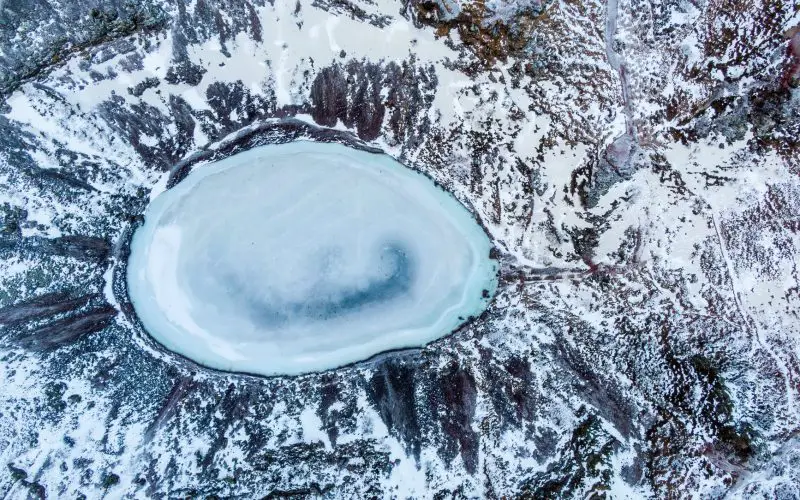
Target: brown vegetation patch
(489,41)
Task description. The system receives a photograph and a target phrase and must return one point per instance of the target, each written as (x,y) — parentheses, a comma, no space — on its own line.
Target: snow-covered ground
(635,167)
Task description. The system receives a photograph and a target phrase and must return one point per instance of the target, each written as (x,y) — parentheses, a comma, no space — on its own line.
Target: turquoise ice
(303,257)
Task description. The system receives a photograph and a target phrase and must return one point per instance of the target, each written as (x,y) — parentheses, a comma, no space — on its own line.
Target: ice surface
(302,257)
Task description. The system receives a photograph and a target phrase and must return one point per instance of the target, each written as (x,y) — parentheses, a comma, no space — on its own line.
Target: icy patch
(304,257)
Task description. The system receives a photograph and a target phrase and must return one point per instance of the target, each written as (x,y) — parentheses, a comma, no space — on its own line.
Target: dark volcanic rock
(81,247)
(67,331)
(392,389)
(141,87)
(88,248)
(352,94)
(512,393)
(135,121)
(58,29)
(185,72)
(39,307)
(234,107)
(453,402)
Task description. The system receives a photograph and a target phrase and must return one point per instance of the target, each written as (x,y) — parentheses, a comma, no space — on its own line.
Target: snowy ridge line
(273,131)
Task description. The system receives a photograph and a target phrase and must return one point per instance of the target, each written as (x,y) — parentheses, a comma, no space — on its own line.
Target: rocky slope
(635,163)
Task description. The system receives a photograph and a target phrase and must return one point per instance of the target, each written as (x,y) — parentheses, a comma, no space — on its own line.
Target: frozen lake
(303,257)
